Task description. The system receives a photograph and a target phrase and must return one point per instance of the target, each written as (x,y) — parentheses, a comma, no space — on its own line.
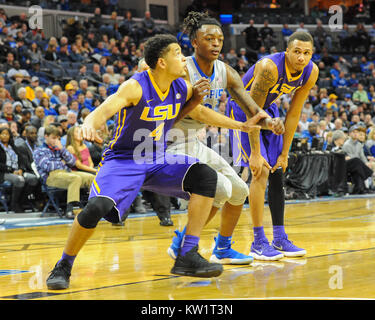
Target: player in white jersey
(211,78)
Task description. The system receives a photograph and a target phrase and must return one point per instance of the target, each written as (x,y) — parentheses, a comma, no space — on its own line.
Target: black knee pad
(201,179)
(95,209)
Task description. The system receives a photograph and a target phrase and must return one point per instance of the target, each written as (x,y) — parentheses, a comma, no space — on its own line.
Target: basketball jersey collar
(201,72)
(161,95)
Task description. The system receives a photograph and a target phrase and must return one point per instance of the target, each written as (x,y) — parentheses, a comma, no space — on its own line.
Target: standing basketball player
(206,72)
(291,72)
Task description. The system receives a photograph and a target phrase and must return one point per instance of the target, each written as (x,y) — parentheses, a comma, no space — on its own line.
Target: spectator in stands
(251,34)
(96,21)
(338,124)
(129,27)
(368,121)
(63,103)
(370,143)
(231,57)
(9,63)
(54,163)
(340,81)
(36,72)
(51,53)
(96,149)
(308,109)
(302,27)
(113,77)
(34,52)
(332,102)
(95,73)
(327,58)
(26,103)
(38,118)
(6,92)
(24,119)
(358,169)
(353,81)
(48,109)
(321,108)
(262,52)
(185,44)
(303,122)
(148,25)
(286,32)
(267,36)
(321,37)
(324,73)
(241,66)
(12,169)
(345,38)
(16,85)
(311,132)
(360,95)
(344,117)
(335,70)
(75,145)
(7,112)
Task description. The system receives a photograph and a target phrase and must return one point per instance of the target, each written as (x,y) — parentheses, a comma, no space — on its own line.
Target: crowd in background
(99,56)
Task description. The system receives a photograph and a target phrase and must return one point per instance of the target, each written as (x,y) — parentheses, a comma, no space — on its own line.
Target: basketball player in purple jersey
(147,103)
(290,72)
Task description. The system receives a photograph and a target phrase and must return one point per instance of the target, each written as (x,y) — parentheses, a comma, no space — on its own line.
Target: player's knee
(223,190)
(240,191)
(201,179)
(96,208)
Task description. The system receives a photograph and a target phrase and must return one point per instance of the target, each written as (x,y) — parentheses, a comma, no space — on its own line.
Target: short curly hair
(156,47)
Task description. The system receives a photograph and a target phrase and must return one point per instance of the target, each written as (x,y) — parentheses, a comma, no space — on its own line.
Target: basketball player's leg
(231,210)
(180,180)
(112,192)
(276,200)
(229,188)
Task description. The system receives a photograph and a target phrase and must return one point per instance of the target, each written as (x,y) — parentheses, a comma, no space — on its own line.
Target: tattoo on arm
(239,94)
(261,87)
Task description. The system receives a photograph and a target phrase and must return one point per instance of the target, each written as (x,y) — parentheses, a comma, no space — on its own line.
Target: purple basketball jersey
(123,170)
(141,129)
(271,144)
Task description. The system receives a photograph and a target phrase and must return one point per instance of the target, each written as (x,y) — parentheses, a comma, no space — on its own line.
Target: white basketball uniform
(230,187)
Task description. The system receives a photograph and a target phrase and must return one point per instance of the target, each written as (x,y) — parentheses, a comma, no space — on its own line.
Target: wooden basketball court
(131,262)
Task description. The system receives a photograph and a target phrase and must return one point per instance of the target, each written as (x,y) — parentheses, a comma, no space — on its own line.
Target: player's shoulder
(131,90)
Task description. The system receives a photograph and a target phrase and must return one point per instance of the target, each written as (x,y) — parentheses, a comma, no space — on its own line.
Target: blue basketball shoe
(176,244)
(226,255)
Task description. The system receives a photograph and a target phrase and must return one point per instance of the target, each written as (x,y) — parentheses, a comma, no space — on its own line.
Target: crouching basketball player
(148,102)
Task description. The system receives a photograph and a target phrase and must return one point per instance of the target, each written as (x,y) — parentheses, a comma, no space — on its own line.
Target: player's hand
(251,124)
(89,133)
(282,161)
(256,163)
(277,126)
(200,89)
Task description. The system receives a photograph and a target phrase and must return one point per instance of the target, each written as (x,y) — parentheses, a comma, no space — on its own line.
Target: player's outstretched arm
(128,94)
(208,116)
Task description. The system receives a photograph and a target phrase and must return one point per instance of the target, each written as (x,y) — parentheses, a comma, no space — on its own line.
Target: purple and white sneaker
(287,247)
(262,250)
